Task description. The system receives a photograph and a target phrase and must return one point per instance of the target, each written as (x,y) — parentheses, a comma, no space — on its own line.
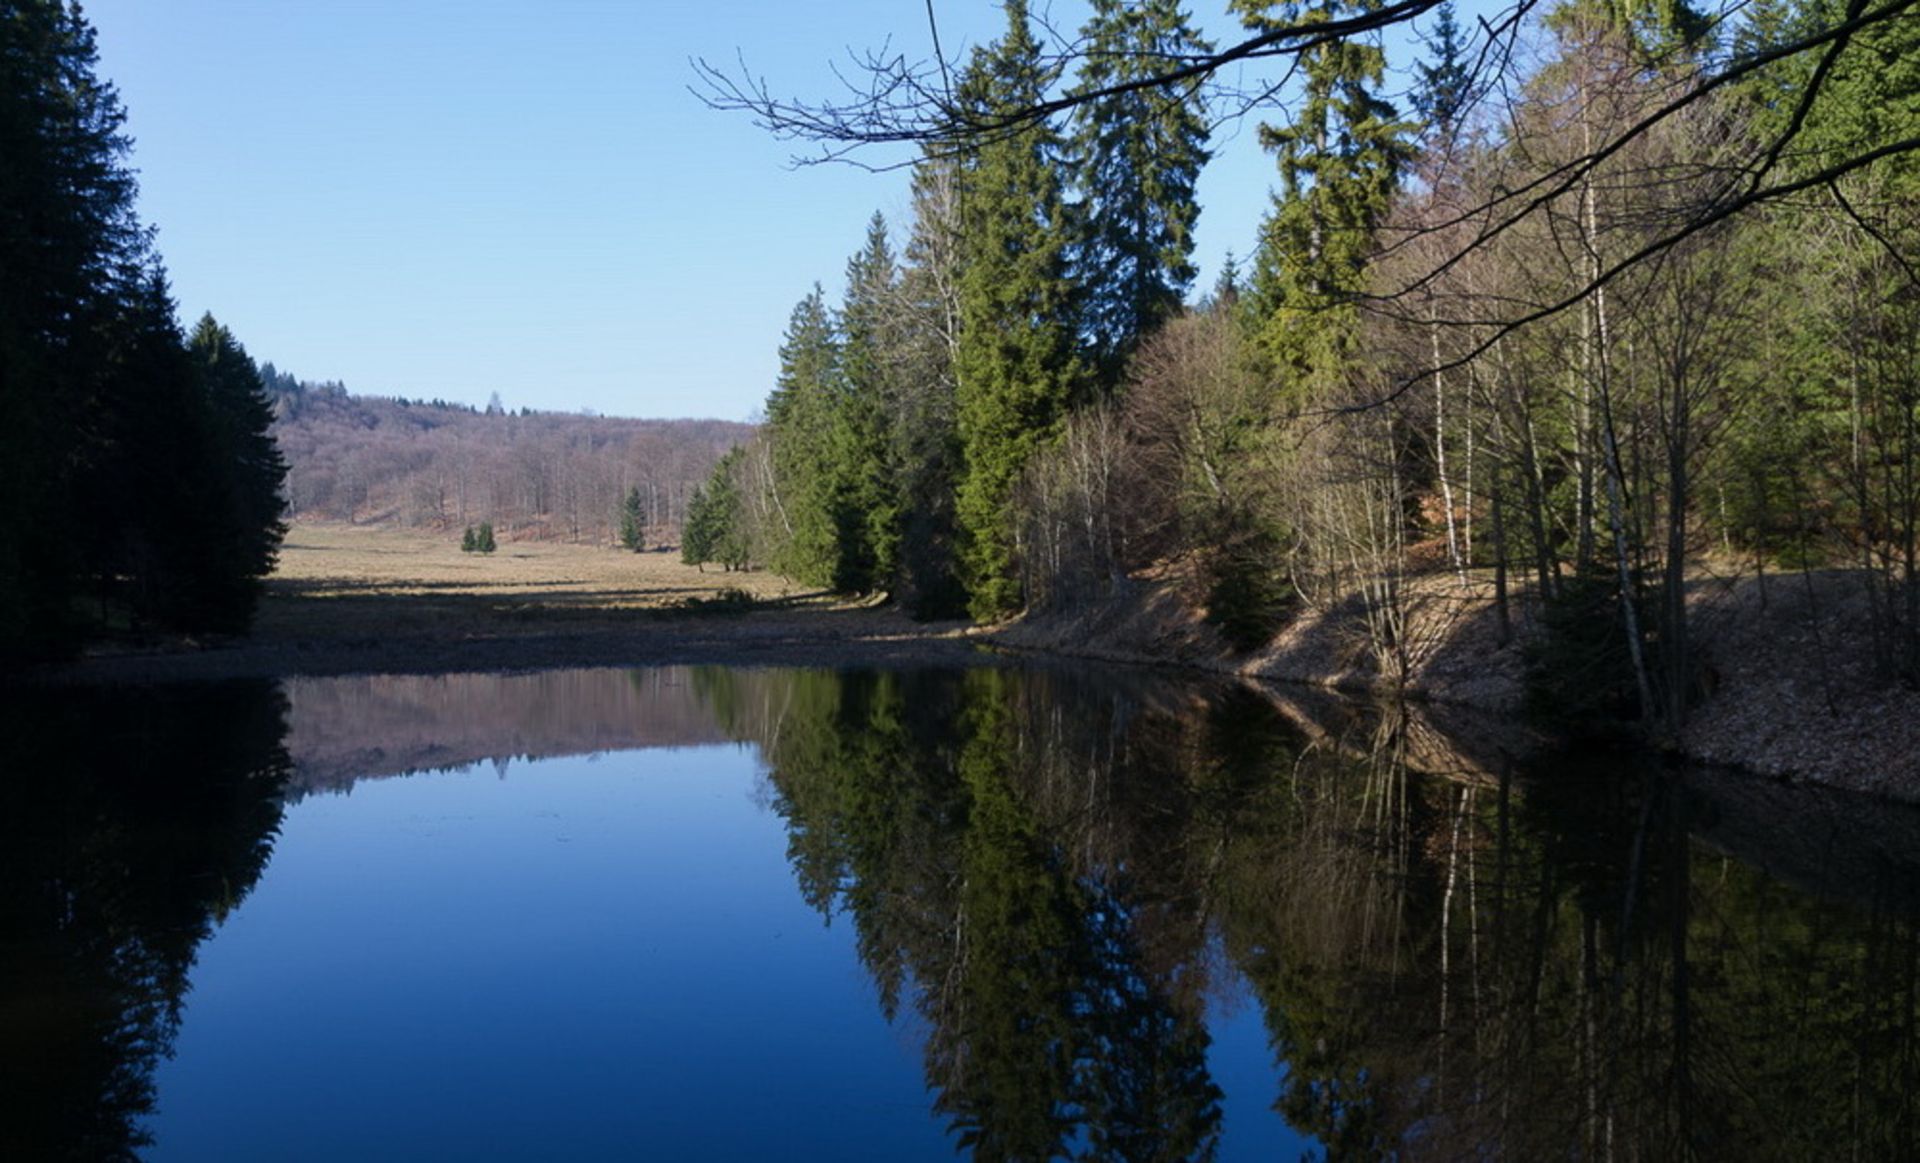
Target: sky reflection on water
(903,915)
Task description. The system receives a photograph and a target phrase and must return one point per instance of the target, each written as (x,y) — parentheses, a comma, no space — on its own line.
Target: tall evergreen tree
(716,521)
(924,428)
(868,516)
(633,521)
(248,469)
(1340,162)
(1136,155)
(809,476)
(1016,365)
(1443,81)
(70,249)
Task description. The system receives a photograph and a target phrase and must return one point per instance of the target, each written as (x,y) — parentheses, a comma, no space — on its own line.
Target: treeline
(138,484)
(437,465)
(1518,335)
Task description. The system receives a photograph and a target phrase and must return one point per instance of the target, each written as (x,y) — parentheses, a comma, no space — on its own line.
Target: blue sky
(446,199)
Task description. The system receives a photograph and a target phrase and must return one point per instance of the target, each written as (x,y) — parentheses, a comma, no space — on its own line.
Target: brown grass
(361,599)
(356,581)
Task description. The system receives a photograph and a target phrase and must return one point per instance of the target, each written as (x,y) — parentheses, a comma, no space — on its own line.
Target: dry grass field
(339,581)
(368,599)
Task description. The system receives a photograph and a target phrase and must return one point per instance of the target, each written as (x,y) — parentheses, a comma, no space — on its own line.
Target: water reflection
(132,823)
(1567,962)
(343,730)
(1059,877)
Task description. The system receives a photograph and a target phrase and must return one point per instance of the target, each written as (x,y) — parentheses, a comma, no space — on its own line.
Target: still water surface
(718,913)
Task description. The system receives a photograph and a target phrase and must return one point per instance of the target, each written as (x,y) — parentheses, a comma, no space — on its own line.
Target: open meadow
(357,581)
(355,599)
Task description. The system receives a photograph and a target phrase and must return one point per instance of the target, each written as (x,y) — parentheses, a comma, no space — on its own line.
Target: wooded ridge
(436,465)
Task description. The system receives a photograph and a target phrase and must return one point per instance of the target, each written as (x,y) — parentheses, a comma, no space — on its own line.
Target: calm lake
(717,913)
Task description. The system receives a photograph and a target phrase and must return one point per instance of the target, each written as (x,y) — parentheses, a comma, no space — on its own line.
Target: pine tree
(469,540)
(1016,366)
(633,521)
(1137,156)
(483,541)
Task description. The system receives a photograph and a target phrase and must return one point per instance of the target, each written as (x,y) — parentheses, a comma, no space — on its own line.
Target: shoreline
(1788,707)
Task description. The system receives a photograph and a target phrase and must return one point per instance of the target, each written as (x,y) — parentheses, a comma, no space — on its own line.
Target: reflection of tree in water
(917,804)
(1553,967)
(130,824)
(1527,965)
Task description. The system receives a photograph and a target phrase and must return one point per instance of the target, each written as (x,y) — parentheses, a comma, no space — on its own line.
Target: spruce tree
(1015,361)
(808,472)
(245,527)
(698,534)
(925,438)
(1444,81)
(483,541)
(469,540)
(868,514)
(1136,158)
(633,521)
(71,249)
(1340,162)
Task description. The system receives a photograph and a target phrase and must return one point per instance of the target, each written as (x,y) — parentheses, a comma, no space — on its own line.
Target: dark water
(713,913)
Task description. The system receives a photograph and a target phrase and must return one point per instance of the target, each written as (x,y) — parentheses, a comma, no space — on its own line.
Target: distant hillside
(374,459)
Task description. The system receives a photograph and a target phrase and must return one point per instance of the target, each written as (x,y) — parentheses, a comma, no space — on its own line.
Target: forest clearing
(348,599)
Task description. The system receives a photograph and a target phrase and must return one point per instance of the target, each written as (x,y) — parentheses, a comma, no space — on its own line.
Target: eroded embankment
(1789,685)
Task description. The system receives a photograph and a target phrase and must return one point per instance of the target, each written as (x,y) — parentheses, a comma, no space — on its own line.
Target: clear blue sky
(448,198)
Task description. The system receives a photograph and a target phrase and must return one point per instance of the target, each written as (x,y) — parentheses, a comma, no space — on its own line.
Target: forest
(441,466)
(139,485)
(1636,305)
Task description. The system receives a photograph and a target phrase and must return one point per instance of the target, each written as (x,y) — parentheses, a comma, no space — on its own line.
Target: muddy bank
(1789,688)
(841,637)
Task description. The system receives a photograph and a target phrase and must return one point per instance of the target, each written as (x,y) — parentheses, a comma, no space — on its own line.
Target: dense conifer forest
(1615,296)
(139,487)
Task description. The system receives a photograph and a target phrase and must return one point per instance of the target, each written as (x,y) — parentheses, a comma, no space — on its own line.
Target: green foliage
(1136,156)
(138,482)
(868,510)
(1340,162)
(802,418)
(925,436)
(1015,358)
(1445,78)
(633,521)
(716,520)
(73,251)
(483,541)
(469,540)
(1248,595)
(243,524)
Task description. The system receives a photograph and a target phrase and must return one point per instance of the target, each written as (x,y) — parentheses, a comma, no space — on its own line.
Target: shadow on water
(1063,878)
(131,822)
(1574,959)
